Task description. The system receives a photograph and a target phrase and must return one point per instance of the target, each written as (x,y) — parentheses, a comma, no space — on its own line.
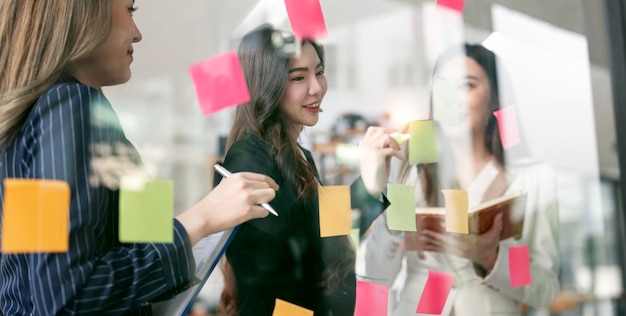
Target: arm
(383,258)
(257,253)
(370,207)
(97,274)
(540,234)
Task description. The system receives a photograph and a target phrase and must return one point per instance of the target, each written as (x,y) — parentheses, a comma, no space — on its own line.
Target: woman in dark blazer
(284,257)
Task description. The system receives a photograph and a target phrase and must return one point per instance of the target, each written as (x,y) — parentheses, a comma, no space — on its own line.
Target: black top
(281,257)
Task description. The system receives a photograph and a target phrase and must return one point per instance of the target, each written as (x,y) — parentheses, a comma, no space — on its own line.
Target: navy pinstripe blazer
(72,134)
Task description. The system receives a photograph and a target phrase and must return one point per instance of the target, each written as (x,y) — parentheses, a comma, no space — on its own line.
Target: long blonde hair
(40,41)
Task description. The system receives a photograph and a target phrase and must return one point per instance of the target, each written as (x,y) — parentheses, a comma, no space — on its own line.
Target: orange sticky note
(371,299)
(282,308)
(306,19)
(507,126)
(335,211)
(519,266)
(219,82)
(36,216)
(435,293)
(456,211)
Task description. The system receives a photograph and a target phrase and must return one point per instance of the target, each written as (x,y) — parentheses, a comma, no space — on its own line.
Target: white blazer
(471,294)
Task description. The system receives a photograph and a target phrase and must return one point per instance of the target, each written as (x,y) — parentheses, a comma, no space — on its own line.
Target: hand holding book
(481,221)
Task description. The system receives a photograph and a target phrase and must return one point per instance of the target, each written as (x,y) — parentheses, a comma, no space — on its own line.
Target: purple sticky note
(456,5)
(519,266)
(507,126)
(219,82)
(371,299)
(306,19)
(435,293)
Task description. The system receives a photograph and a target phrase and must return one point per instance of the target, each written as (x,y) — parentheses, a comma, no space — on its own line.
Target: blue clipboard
(207,254)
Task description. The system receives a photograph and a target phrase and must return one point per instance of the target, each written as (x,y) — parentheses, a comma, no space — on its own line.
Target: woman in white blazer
(472,158)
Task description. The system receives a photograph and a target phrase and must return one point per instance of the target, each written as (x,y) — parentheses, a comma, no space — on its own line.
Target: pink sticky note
(371,299)
(519,266)
(219,82)
(306,19)
(507,126)
(456,5)
(435,293)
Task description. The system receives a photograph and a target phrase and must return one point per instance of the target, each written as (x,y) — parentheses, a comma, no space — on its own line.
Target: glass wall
(380,56)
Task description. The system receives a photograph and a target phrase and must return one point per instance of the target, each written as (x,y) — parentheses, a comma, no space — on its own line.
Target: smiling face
(110,63)
(305,88)
(474,92)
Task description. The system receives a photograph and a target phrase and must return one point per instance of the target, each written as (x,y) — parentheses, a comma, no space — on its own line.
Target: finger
(389,151)
(258,211)
(259,178)
(496,227)
(262,195)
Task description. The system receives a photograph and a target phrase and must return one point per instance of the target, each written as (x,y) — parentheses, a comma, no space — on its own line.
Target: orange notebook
(512,206)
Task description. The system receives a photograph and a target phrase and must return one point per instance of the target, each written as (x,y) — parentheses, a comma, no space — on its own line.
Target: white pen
(225,173)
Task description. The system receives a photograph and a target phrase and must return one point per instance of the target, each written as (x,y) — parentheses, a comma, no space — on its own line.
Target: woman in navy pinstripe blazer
(61,53)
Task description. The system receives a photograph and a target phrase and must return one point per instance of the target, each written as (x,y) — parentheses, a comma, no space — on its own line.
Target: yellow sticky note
(400,138)
(401,212)
(423,142)
(456,211)
(335,211)
(146,210)
(36,216)
(446,105)
(283,308)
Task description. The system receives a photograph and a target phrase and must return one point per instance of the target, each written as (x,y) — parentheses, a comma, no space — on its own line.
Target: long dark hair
(265,65)
(265,54)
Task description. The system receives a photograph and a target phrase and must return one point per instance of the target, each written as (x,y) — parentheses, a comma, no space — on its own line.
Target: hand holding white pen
(225,173)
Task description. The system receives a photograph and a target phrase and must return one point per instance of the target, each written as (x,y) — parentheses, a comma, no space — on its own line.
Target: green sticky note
(355,238)
(146,210)
(446,105)
(401,212)
(423,142)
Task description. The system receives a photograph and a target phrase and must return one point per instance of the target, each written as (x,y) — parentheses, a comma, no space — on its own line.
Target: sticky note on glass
(371,299)
(435,293)
(355,238)
(400,138)
(401,212)
(306,19)
(335,210)
(446,105)
(507,126)
(457,220)
(423,142)
(456,5)
(519,266)
(282,308)
(219,82)
(35,216)
(146,210)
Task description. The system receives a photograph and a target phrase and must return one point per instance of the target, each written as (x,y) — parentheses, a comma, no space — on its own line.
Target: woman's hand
(481,249)
(376,151)
(235,200)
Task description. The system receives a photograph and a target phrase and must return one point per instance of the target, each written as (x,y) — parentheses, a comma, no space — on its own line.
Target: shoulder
(73,97)
(532,168)
(251,143)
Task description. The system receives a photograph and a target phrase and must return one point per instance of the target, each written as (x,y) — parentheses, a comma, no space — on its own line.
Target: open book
(481,216)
